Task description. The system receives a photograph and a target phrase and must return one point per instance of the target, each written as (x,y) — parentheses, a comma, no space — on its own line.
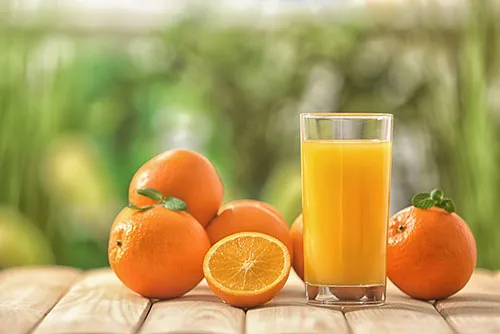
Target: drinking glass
(346,173)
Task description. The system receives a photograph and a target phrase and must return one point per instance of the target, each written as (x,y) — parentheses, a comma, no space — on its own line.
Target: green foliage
(79,114)
(434,198)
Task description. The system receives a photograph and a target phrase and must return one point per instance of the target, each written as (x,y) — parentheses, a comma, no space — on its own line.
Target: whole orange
(298,246)
(248,216)
(157,253)
(184,174)
(431,253)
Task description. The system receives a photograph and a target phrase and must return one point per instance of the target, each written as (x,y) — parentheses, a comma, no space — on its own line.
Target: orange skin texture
(252,202)
(183,174)
(249,216)
(161,252)
(435,254)
(298,247)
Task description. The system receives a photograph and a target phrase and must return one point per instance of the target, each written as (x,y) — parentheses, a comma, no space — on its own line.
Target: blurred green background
(82,106)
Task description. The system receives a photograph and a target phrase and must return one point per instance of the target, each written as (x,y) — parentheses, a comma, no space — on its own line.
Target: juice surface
(345,189)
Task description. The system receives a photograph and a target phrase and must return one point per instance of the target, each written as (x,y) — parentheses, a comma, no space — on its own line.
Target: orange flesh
(247,263)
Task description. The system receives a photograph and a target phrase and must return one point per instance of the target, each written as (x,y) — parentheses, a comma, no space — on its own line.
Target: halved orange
(247,269)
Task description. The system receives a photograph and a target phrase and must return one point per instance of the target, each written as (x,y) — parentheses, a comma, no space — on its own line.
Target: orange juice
(346,210)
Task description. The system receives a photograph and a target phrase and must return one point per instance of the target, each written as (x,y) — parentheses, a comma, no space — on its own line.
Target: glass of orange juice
(346,173)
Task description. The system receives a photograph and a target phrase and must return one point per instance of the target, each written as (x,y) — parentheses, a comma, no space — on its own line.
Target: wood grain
(482,282)
(97,303)
(400,314)
(393,290)
(295,319)
(199,311)
(27,294)
(289,313)
(185,316)
(294,292)
(294,281)
(475,309)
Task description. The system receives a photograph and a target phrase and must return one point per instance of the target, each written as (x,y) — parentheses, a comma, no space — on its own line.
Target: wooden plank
(295,281)
(294,292)
(400,314)
(393,290)
(184,316)
(475,309)
(289,313)
(199,311)
(27,294)
(290,319)
(472,313)
(97,303)
(483,282)
(201,293)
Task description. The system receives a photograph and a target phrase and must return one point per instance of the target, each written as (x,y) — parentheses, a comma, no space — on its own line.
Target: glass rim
(334,115)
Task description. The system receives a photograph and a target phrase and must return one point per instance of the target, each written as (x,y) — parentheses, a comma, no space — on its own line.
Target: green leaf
(174,203)
(448,205)
(424,204)
(434,198)
(141,208)
(151,193)
(422,201)
(420,196)
(437,195)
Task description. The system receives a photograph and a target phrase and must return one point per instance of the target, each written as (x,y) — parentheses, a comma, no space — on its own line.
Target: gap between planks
(99,303)
(28,294)
(96,303)
(475,309)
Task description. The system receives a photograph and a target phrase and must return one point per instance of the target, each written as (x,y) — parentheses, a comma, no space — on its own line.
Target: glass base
(345,295)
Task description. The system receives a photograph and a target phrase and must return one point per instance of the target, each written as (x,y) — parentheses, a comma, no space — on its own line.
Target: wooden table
(65,300)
